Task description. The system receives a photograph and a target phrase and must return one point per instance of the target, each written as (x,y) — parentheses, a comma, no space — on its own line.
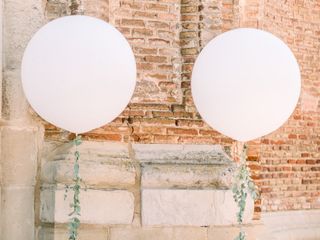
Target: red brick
(182,131)
(132,22)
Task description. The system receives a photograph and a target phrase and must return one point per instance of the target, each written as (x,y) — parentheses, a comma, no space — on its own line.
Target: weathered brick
(132,22)
(182,131)
(155,59)
(141,32)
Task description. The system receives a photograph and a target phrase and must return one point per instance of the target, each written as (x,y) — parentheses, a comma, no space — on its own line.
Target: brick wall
(166,37)
(290,157)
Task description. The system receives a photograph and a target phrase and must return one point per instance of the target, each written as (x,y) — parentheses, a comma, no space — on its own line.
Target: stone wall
(130,181)
(141,191)
(167,36)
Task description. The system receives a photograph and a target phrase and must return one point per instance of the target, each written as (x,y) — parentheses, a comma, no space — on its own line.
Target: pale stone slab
(97,206)
(93,173)
(187,176)
(165,233)
(191,207)
(19,155)
(18,30)
(17,216)
(178,153)
(62,234)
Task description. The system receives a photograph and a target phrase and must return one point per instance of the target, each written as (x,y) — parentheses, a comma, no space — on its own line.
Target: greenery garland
(74,223)
(243,185)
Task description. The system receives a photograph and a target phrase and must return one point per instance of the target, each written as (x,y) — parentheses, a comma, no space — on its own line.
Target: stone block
(17,213)
(93,173)
(19,155)
(18,30)
(191,207)
(97,206)
(102,164)
(165,233)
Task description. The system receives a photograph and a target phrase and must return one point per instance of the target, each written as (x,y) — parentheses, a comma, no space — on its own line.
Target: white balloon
(78,73)
(246,83)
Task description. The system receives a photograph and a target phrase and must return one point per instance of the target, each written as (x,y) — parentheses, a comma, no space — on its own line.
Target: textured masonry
(98,206)
(166,37)
(191,208)
(180,185)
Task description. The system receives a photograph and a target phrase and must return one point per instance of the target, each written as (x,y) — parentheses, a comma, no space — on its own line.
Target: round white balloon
(78,73)
(246,83)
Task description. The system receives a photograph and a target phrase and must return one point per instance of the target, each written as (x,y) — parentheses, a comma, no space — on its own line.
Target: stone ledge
(98,206)
(253,232)
(46,233)
(19,155)
(191,208)
(102,151)
(182,154)
(165,233)
(93,173)
(187,176)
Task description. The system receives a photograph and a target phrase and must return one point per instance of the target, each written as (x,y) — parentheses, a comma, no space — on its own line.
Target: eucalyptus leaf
(74,222)
(243,184)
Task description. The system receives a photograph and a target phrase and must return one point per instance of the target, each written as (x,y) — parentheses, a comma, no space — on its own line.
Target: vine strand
(242,186)
(74,223)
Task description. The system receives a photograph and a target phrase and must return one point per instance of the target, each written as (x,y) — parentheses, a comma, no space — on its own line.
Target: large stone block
(97,206)
(165,233)
(191,207)
(21,20)
(17,216)
(19,155)
(102,164)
